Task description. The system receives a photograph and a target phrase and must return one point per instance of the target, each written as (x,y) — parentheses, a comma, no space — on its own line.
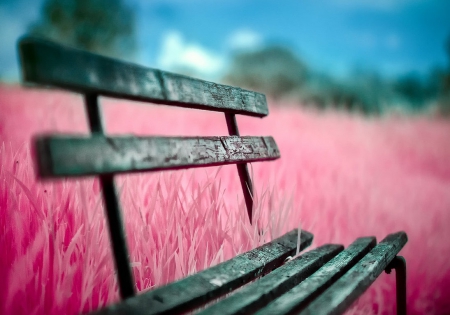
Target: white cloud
(244,39)
(178,54)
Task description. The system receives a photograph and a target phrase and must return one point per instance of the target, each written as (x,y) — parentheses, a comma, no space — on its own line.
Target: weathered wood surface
(296,298)
(259,293)
(244,176)
(80,156)
(207,285)
(339,296)
(112,208)
(44,62)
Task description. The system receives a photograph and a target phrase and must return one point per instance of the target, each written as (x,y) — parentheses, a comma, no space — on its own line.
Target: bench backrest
(46,63)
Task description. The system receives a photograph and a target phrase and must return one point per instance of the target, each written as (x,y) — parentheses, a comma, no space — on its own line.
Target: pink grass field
(341,176)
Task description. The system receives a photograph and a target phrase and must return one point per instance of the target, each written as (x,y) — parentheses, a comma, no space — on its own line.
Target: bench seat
(325,280)
(265,280)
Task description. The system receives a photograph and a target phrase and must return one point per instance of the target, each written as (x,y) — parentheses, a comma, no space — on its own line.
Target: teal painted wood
(259,293)
(82,156)
(113,211)
(244,176)
(298,297)
(47,63)
(196,290)
(341,295)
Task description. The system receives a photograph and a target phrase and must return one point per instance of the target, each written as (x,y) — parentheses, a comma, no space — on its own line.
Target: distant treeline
(277,72)
(108,27)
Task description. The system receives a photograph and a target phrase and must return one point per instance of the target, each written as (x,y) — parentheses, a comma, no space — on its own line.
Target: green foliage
(279,73)
(272,70)
(443,77)
(415,90)
(447,49)
(364,92)
(101,26)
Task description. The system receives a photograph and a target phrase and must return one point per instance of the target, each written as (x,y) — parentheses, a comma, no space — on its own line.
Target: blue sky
(334,36)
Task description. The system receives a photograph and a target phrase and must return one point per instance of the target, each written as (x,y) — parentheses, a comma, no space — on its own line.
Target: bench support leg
(244,176)
(399,264)
(112,208)
(117,237)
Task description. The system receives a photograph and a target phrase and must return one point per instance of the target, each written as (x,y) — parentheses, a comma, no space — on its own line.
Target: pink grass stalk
(340,177)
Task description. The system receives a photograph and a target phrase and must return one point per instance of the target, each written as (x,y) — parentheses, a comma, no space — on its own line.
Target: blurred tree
(101,26)
(447,77)
(412,89)
(363,91)
(273,70)
(278,72)
(447,49)
(444,99)
(369,89)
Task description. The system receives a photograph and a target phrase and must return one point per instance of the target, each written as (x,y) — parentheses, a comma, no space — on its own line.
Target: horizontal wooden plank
(81,156)
(259,293)
(297,298)
(48,63)
(339,296)
(205,286)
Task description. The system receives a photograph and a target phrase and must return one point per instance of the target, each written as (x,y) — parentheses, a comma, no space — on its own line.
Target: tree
(447,77)
(411,88)
(444,97)
(101,26)
(273,70)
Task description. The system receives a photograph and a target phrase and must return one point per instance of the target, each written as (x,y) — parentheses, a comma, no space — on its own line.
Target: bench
(265,280)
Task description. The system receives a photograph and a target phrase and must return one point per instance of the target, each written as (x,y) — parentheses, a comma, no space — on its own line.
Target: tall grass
(340,177)
(58,255)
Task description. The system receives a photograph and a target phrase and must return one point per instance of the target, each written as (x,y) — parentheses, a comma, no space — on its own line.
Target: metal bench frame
(326,280)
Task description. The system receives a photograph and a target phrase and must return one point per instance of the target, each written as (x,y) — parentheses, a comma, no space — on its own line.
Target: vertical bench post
(111,202)
(399,264)
(242,168)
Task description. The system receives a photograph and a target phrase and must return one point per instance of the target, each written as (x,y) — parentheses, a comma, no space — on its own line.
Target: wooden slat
(339,296)
(207,285)
(80,156)
(310,288)
(261,292)
(44,62)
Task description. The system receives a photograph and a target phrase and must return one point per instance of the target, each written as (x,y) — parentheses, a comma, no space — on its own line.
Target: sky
(392,37)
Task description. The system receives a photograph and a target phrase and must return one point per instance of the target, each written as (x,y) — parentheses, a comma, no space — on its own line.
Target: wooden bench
(326,280)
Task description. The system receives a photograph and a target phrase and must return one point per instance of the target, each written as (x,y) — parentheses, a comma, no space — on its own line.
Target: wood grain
(341,295)
(47,63)
(112,208)
(244,175)
(205,286)
(259,293)
(82,156)
(295,299)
